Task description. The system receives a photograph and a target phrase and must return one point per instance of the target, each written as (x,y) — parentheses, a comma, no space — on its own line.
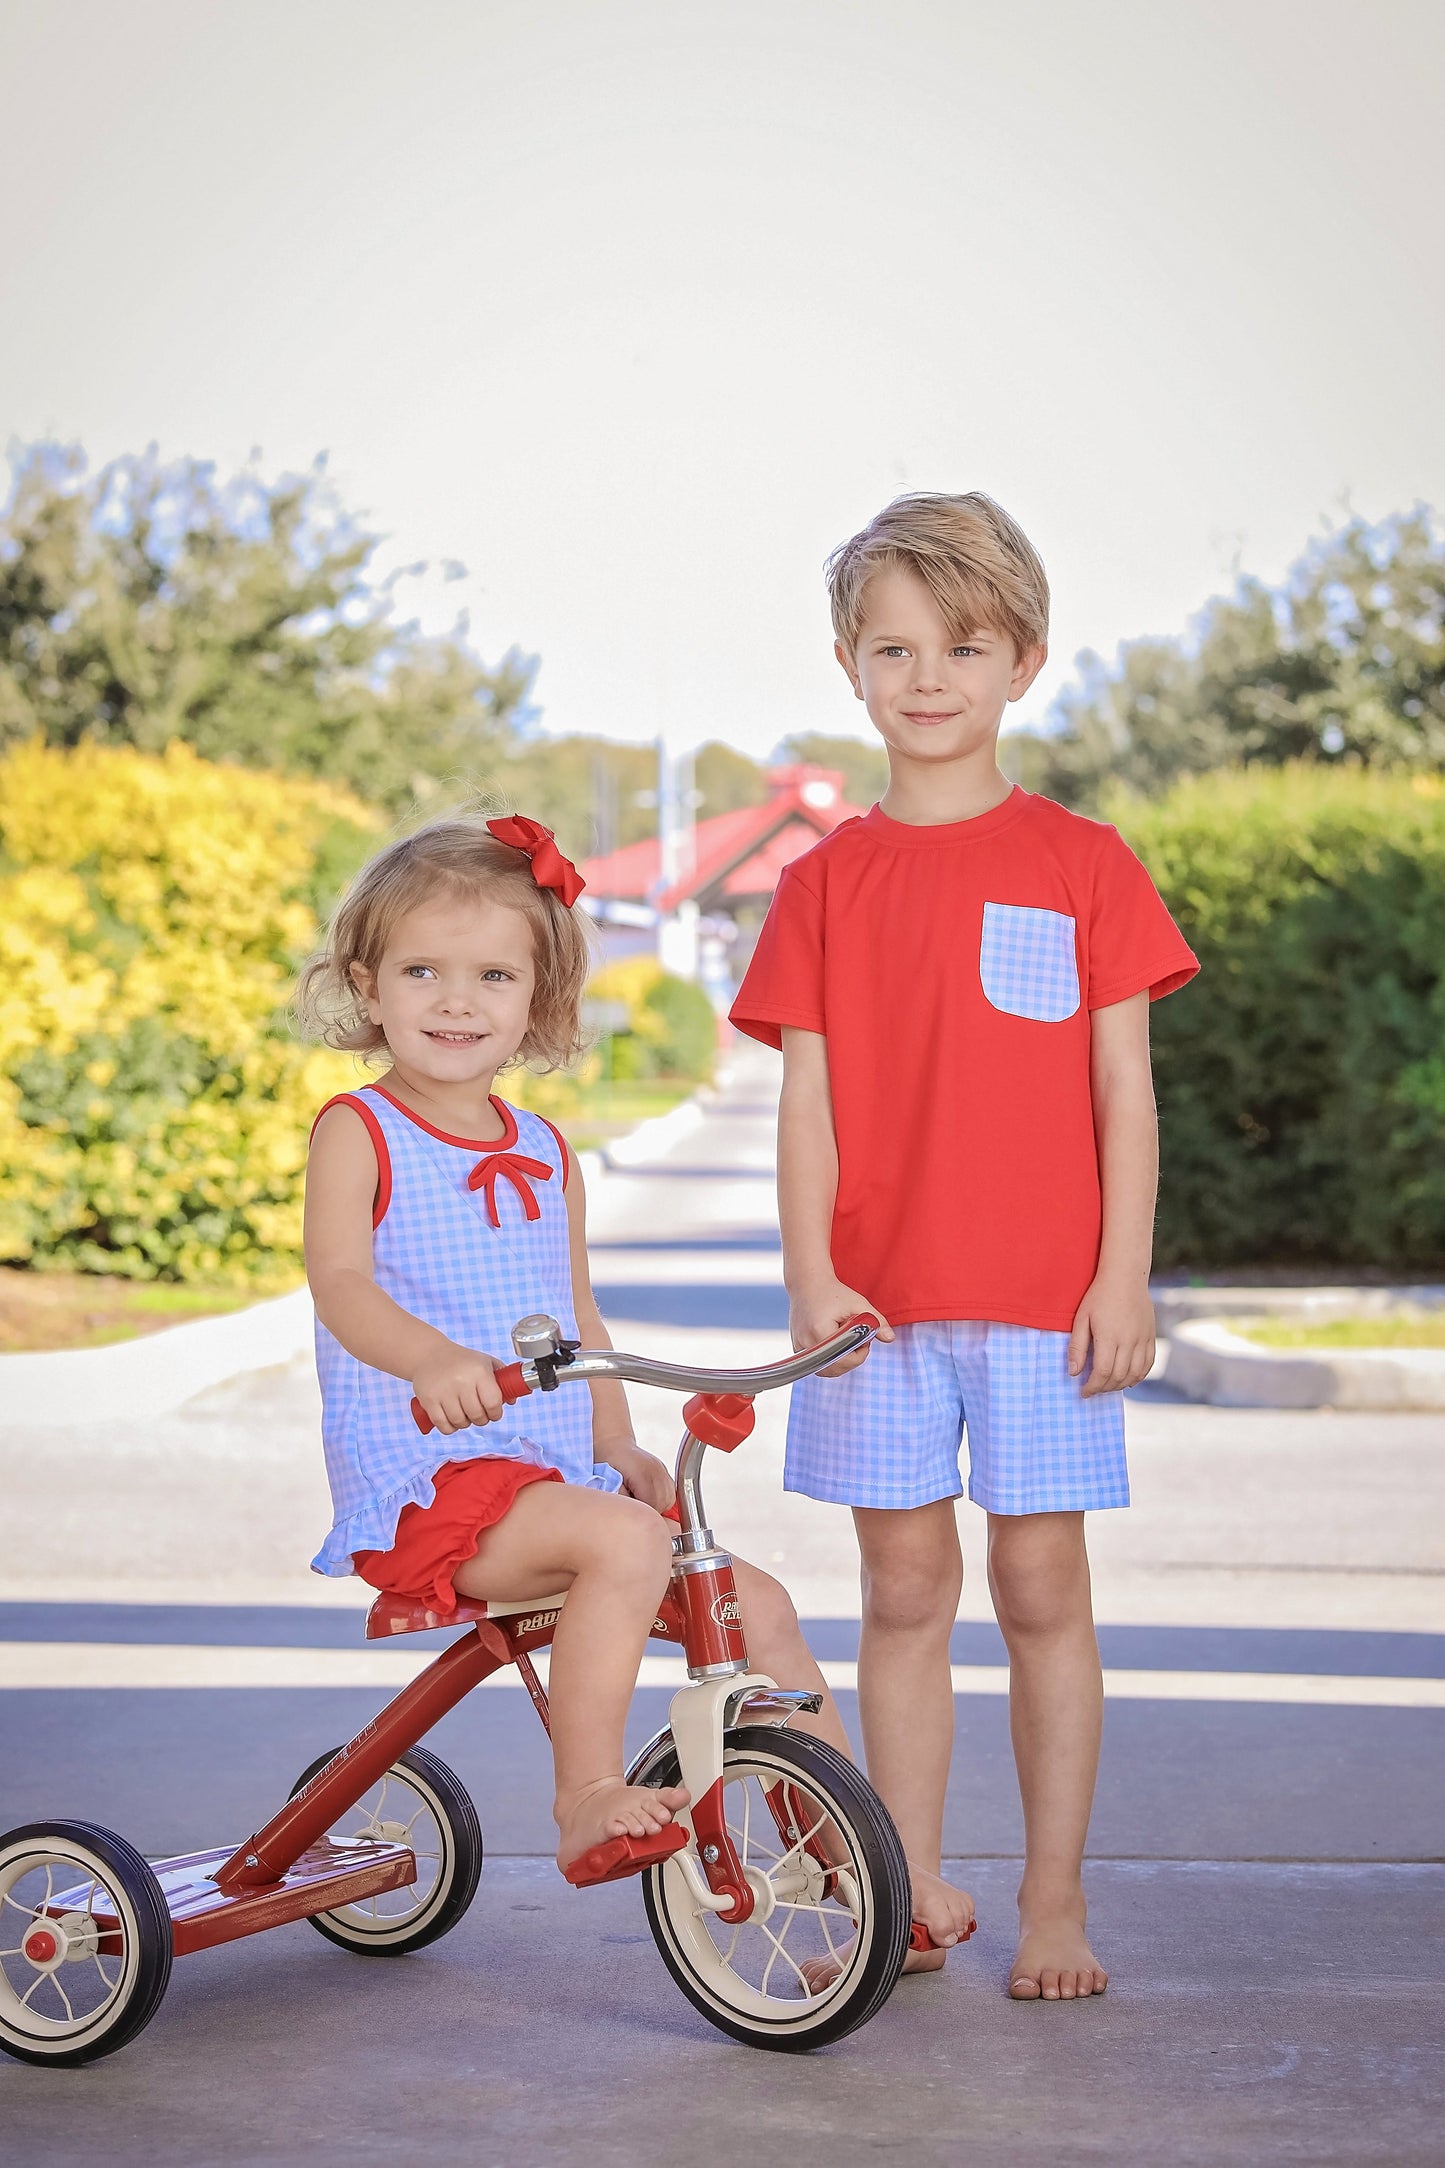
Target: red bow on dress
(549,868)
(486,1171)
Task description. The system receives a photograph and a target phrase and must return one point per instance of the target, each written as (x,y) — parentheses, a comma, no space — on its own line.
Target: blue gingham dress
(437,1254)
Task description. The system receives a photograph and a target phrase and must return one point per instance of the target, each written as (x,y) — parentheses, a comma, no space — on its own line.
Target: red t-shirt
(952,970)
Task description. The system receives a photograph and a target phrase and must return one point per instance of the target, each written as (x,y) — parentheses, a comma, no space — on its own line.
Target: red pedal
(920,1939)
(619,1857)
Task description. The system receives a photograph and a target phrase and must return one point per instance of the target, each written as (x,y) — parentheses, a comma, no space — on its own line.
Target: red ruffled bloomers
(432,1541)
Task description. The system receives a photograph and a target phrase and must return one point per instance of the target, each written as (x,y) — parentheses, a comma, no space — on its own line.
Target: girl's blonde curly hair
(454,856)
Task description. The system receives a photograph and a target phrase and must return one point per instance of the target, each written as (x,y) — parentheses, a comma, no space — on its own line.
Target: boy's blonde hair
(977,563)
(458,857)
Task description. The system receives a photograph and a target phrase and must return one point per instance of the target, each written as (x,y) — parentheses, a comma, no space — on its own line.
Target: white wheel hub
(51,1943)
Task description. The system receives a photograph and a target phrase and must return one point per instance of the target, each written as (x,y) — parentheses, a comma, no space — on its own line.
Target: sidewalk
(1266,1842)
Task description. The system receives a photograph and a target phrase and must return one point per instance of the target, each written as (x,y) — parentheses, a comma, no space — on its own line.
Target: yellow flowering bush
(154,1103)
(671,1028)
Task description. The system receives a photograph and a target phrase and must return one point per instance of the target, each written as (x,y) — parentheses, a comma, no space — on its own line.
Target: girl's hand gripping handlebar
(548,1361)
(511,1384)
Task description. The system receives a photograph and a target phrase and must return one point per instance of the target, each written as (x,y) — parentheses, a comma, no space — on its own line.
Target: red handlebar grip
(511,1384)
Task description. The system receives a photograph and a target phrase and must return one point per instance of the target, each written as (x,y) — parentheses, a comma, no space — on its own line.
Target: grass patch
(1420,1329)
(605,1111)
(46,1311)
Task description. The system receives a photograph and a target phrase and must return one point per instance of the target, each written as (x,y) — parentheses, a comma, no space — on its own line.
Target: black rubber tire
(460,1871)
(886,1905)
(145,1961)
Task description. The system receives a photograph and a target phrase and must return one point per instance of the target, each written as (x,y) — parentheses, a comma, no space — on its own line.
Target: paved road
(1267,1839)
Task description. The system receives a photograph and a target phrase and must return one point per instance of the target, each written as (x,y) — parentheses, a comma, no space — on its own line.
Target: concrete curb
(657,1135)
(1208,1362)
(137,1380)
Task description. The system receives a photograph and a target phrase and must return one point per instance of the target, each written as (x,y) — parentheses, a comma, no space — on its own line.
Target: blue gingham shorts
(888,1433)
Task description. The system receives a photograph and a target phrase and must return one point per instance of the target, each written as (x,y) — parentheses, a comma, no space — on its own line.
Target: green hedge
(671,1030)
(1301,1077)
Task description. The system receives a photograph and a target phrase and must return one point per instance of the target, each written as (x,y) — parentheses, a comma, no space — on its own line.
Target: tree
(1343,663)
(862,762)
(727,780)
(151,602)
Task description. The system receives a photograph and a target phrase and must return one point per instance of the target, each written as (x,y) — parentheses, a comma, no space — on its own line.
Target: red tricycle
(785,1856)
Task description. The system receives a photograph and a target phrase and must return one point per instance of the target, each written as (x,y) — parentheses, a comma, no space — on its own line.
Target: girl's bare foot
(1054,1963)
(946,1911)
(611,1808)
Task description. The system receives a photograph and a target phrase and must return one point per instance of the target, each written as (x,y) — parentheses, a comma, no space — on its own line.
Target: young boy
(960,984)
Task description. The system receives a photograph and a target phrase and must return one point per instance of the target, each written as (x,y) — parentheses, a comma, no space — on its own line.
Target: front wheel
(829,1931)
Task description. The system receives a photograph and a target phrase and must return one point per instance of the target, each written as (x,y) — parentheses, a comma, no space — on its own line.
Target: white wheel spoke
(60,1991)
(17,1952)
(787,1957)
(110,1984)
(32,1987)
(794,1851)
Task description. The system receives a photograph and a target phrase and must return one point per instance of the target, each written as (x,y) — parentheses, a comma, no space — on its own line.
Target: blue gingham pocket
(1027,962)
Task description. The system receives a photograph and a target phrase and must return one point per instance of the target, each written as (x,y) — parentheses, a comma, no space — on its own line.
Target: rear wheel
(829,1930)
(85,1942)
(420,1803)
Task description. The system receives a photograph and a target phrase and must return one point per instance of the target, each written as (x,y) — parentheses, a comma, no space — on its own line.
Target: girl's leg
(912,1577)
(613,1557)
(776,1646)
(1038,1570)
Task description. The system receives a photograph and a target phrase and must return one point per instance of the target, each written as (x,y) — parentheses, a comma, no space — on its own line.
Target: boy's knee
(1039,1576)
(910,1601)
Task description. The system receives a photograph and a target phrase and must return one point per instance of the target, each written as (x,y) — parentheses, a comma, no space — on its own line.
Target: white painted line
(61,1664)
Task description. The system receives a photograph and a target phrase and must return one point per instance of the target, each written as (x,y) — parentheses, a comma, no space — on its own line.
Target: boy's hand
(643,1476)
(1117,1319)
(815,1313)
(458,1387)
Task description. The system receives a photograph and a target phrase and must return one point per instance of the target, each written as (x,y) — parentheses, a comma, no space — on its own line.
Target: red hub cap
(41,1945)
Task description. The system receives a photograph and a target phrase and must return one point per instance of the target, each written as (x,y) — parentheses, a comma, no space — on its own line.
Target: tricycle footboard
(268,1855)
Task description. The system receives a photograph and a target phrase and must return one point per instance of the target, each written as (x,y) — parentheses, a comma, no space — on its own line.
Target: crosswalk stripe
(63,1664)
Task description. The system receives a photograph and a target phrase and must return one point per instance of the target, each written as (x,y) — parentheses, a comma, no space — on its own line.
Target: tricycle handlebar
(549,1361)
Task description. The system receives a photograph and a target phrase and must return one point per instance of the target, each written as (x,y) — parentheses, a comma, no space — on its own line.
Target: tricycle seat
(408,1615)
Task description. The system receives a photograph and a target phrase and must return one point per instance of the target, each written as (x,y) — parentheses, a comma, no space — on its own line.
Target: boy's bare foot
(1054,1963)
(611,1808)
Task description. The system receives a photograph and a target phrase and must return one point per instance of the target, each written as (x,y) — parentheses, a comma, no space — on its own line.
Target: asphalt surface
(1265,1881)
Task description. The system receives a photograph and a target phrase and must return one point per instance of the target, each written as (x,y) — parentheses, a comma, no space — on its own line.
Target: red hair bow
(549,868)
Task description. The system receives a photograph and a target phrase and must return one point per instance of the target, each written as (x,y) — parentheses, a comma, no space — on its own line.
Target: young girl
(436,1216)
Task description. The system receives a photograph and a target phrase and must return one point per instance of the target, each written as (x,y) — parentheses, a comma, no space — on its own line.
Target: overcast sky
(636,307)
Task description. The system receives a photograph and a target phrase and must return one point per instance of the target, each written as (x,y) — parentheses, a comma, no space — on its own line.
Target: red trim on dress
(561,1146)
(503,1143)
(378,1145)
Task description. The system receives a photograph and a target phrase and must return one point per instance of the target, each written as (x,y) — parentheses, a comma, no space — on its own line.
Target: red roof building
(737,858)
